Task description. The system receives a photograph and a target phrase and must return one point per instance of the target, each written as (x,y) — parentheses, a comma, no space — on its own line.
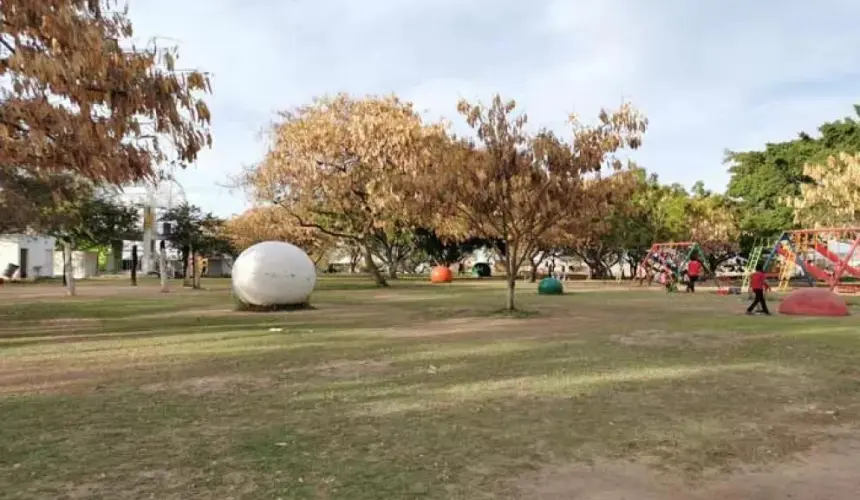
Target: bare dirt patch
(202,386)
(407,297)
(662,338)
(471,326)
(50,327)
(345,369)
(458,326)
(71,322)
(825,474)
(35,379)
(195,312)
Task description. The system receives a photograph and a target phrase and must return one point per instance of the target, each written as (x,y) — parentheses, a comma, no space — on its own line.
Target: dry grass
(414,392)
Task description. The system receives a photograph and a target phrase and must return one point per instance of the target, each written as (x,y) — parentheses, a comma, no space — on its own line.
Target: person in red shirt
(758,284)
(694,270)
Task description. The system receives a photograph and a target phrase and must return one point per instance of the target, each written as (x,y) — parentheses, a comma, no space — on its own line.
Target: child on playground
(758,285)
(694,269)
(668,280)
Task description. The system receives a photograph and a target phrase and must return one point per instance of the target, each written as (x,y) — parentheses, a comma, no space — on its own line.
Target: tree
(273,223)
(714,223)
(28,203)
(643,216)
(392,247)
(195,233)
(106,219)
(346,166)
(518,187)
(444,251)
(832,199)
(79,99)
(763,180)
(93,218)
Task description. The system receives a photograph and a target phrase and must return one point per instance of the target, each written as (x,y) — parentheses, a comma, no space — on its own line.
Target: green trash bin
(550,286)
(482,270)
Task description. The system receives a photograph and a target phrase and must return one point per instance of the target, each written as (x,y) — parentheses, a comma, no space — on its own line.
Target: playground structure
(817,255)
(673,258)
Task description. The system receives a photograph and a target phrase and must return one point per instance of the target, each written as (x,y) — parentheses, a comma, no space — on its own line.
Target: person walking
(758,284)
(694,270)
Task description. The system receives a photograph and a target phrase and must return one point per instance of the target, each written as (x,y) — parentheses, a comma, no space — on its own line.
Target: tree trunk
(392,272)
(535,261)
(510,303)
(372,268)
(353,263)
(186,265)
(134,265)
(69,269)
(195,271)
(162,267)
(116,255)
(316,260)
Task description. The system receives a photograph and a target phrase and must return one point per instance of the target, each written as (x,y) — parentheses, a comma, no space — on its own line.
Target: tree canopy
(82,100)
(832,197)
(344,166)
(764,180)
(274,223)
(518,187)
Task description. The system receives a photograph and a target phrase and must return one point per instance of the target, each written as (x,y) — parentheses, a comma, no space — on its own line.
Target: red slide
(832,257)
(815,271)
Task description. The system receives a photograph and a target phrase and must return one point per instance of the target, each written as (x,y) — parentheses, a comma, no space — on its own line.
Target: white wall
(8,252)
(84,264)
(39,253)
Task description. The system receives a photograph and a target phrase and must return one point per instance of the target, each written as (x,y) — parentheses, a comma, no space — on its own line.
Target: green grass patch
(415,391)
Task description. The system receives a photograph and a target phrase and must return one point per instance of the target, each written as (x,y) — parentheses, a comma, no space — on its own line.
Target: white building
(34,255)
(84,264)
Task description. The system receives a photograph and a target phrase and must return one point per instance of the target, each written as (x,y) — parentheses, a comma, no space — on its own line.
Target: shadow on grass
(447,417)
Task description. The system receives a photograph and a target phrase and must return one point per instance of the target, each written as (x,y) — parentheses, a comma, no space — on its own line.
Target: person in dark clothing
(694,269)
(758,285)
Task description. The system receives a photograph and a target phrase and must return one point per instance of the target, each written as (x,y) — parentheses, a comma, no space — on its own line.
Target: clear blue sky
(709,75)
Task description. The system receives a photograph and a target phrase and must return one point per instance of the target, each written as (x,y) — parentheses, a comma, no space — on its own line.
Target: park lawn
(416,391)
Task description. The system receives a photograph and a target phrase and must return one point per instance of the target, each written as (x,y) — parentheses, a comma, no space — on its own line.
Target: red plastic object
(441,274)
(813,302)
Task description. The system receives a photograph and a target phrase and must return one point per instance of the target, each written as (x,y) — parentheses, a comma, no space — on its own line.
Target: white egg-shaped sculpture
(273,273)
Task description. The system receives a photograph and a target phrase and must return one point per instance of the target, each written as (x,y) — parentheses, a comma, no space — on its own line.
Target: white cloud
(713,76)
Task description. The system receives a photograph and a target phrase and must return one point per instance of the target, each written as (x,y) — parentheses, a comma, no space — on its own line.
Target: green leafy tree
(92,218)
(195,233)
(763,180)
(652,213)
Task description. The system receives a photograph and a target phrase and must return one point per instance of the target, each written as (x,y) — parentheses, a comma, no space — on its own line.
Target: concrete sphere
(273,273)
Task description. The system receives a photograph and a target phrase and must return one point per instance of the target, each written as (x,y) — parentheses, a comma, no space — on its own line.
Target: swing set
(672,258)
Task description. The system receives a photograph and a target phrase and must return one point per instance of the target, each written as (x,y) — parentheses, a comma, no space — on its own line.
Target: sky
(710,76)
